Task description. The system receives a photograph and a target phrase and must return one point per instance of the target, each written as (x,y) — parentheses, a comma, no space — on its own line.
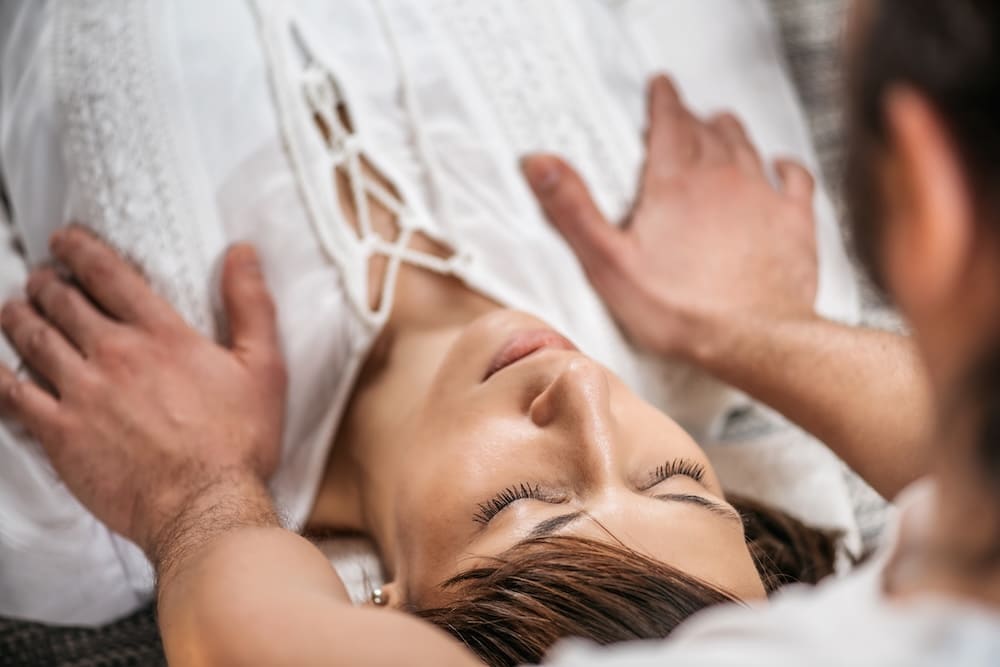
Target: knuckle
(37,341)
(615,256)
(92,390)
(58,299)
(95,271)
(111,348)
(12,393)
(608,251)
(88,384)
(729,121)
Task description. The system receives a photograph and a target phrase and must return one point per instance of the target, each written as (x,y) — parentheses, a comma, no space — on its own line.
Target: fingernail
(543,173)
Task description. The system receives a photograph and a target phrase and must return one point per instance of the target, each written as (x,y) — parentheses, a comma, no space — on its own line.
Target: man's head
(924,184)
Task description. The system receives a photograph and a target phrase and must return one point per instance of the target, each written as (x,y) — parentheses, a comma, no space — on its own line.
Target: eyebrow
(555,524)
(725,511)
(550,526)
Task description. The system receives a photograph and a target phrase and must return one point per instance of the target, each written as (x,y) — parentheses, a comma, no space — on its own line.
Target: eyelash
(678,467)
(499,502)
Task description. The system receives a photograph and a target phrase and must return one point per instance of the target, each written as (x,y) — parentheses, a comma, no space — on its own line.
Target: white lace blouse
(176,128)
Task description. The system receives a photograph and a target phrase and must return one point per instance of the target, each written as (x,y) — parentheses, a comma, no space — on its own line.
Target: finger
(252,317)
(109,279)
(672,140)
(569,207)
(712,148)
(795,181)
(38,343)
(25,402)
(70,311)
(734,134)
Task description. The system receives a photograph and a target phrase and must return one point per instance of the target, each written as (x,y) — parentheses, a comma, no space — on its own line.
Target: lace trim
(118,149)
(310,96)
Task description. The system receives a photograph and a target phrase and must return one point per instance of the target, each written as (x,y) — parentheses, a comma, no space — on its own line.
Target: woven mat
(131,641)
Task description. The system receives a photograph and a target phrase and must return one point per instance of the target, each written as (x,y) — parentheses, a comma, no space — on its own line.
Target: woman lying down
(518,490)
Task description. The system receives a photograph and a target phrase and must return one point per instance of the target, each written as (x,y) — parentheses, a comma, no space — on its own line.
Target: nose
(577,401)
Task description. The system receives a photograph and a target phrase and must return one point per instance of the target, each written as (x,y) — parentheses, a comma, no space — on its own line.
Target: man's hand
(717,267)
(709,240)
(145,420)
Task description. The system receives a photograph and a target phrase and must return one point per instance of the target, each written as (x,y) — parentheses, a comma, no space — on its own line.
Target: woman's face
(521,435)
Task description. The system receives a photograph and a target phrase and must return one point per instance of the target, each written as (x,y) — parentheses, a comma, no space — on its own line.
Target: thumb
(795,180)
(567,204)
(249,309)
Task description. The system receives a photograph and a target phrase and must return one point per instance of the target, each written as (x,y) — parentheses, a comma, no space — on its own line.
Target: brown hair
(948,52)
(546,589)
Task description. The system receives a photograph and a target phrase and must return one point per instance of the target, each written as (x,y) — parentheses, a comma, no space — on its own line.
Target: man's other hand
(139,414)
(709,240)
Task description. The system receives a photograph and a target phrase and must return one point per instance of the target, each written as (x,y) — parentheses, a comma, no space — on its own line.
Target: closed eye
(675,468)
(502,500)
(486,511)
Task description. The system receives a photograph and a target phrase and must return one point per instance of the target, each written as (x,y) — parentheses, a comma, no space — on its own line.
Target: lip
(524,344)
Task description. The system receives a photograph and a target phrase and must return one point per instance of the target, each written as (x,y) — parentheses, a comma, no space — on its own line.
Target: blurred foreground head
(924,187)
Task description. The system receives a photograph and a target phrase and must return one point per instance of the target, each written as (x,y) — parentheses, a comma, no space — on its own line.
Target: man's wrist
(721,343)
(230,500)
(707,337)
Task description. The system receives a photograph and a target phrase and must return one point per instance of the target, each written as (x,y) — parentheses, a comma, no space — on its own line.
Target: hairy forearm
(241,590)
(210,509)
(862,392)
(225,564)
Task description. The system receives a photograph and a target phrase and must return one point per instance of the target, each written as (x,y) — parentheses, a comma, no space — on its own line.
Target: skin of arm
(168,438)
(254,593)
(862,391)
(717,267)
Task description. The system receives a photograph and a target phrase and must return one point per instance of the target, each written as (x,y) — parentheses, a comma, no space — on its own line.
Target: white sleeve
(89,133)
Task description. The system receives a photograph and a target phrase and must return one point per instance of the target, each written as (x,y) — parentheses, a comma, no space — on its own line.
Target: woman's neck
(429,312)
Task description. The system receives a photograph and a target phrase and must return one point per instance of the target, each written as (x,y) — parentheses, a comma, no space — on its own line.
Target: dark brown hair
(546,589)
(949,52)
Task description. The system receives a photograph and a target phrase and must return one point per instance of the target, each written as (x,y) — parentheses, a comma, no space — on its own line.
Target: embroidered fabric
(313,108)
(122,150)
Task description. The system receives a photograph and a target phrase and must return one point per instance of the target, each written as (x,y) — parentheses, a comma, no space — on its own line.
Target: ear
(929,233)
